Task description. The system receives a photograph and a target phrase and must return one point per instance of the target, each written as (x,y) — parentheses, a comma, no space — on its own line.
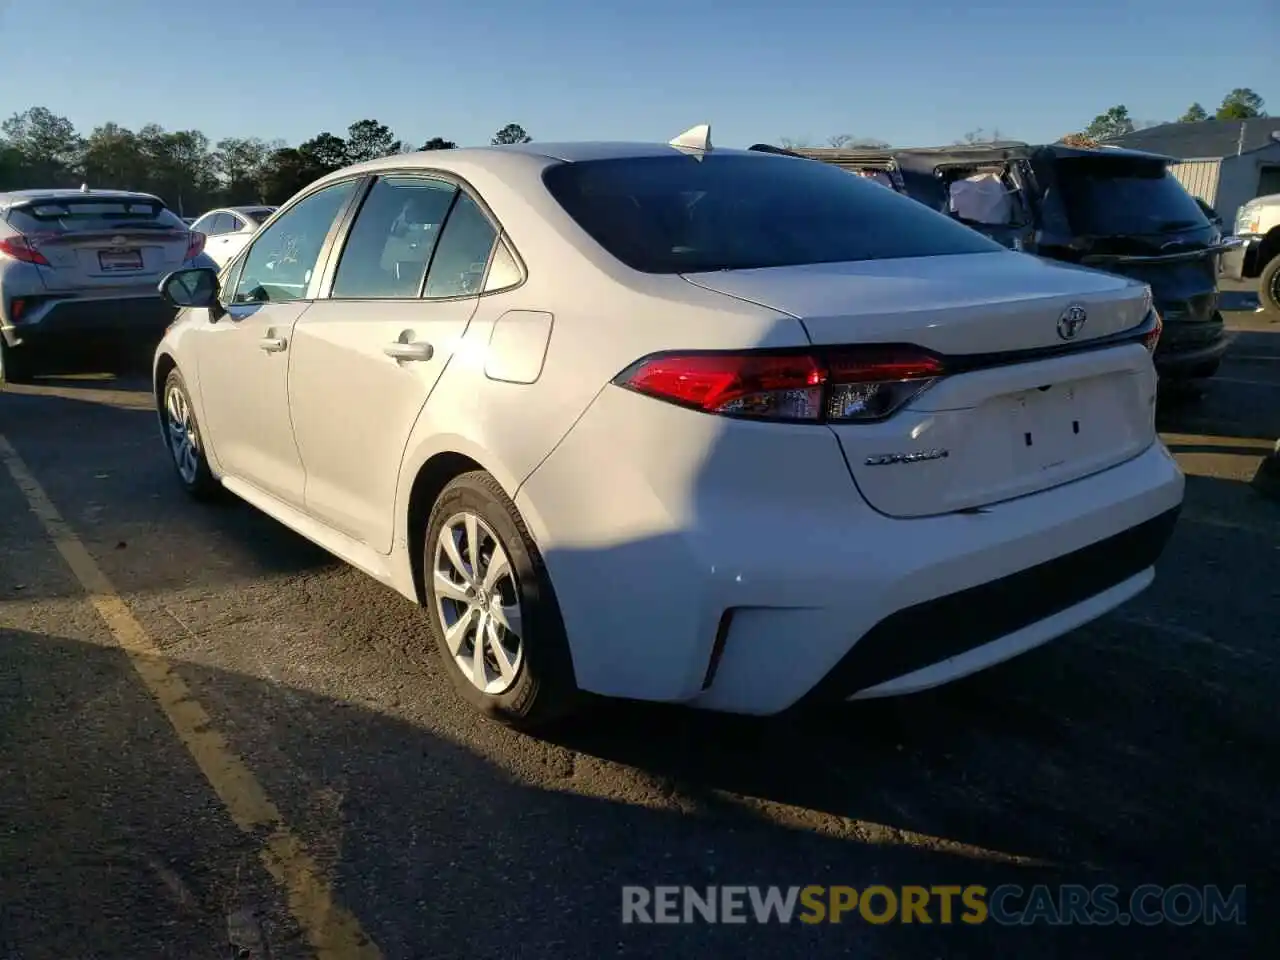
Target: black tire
(199,483)
(15,365)
(543,689)
(1269,289)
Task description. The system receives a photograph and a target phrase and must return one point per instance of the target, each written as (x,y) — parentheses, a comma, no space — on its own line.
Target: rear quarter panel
(599,328)
(17,279)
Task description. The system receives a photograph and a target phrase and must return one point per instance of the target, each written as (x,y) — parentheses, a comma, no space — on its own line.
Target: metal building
(1226,163)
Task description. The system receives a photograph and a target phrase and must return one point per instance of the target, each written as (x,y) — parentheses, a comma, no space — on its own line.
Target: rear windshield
(1108,198)
(75,215)
(259,214)
(679,214)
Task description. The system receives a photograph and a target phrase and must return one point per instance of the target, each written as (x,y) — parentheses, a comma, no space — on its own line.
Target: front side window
(392,239)
(685,214)
(281,260)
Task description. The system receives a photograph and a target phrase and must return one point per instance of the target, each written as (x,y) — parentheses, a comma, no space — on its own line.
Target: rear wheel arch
(1270,248)
(432,477)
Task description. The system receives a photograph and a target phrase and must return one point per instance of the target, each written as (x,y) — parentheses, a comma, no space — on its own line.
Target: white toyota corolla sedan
(671,422)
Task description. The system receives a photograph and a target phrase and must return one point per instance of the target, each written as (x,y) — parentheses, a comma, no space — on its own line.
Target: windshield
(1120,197)
(681,214)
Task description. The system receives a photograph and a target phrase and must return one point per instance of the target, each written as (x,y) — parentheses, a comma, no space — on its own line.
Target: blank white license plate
(120,259)
(1052,426)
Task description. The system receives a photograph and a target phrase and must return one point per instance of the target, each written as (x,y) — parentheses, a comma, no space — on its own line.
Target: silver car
(82,266)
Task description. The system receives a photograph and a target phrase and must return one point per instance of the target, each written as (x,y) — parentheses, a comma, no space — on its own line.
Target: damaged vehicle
(1102,207)
(1112,209)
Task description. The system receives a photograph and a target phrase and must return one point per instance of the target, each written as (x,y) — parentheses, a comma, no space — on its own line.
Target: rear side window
(391,241)
(457,270)
(681,214)
(1111,197)
(74,215)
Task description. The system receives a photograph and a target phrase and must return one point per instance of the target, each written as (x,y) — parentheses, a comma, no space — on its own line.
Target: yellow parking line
(332,930)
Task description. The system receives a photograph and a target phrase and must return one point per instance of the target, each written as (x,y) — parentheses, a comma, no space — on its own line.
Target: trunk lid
(966,304)
(102,242)
(995,429)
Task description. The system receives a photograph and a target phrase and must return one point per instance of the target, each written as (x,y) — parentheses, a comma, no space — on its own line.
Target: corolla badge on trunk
(1071,321)
(884,459)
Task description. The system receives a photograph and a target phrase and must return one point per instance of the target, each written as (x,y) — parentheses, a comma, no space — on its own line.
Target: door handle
(413,350)
(272,344)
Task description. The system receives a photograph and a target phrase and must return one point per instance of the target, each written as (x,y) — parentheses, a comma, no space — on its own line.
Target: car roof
(525,155)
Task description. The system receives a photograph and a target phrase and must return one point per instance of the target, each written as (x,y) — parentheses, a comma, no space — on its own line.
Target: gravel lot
(1140,750)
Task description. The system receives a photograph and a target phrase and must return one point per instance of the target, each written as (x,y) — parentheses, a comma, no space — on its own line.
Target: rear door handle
(413,350)
(272,344)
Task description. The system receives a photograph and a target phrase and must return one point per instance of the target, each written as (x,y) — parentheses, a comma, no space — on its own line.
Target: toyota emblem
(1071,321)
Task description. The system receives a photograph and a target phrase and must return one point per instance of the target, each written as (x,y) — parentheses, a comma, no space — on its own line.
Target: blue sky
(908,72)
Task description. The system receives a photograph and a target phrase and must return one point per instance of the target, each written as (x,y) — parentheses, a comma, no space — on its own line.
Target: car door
(367,355)
(243,355)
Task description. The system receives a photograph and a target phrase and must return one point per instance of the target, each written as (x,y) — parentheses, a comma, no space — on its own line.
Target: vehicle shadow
(101,458)
(418,833)
(1239,402)
(122,365)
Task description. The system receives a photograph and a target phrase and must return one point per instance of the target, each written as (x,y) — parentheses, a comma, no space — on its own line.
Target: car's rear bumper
(689,568)
(66,321)
(1188,353)
(1241,263)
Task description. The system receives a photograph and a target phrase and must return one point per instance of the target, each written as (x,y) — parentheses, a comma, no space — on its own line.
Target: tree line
(190,173)
(1241,103)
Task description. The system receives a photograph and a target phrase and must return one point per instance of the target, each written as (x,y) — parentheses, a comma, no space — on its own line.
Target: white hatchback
(670,422)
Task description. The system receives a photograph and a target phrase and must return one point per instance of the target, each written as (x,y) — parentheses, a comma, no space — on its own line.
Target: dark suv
(1111,209)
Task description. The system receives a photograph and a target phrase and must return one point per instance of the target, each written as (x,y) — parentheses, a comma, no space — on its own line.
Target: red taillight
(20,248)
(195,245)
(851,384)
(1150,340)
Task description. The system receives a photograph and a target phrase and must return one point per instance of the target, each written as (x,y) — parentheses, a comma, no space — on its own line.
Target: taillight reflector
(195,245)
(20,248)
(1152,339)
(853,384)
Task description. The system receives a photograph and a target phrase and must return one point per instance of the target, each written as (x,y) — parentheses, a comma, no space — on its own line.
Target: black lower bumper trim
(944,627)
(63,322)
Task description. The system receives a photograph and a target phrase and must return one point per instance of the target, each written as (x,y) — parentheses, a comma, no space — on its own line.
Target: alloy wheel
(184,437)
(478,603)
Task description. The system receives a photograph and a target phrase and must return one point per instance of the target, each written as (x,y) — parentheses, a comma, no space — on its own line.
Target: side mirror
(195,287)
